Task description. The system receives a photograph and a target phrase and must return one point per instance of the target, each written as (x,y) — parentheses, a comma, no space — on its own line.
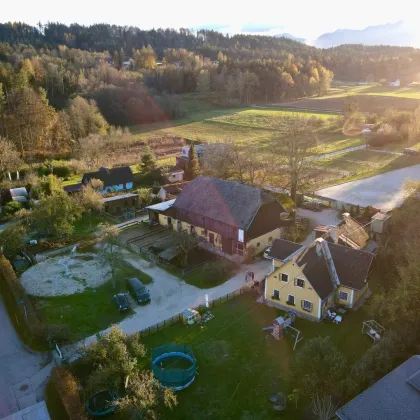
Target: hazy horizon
(268,19)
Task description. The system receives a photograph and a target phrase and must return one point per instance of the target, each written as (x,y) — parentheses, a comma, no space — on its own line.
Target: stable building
(231,219)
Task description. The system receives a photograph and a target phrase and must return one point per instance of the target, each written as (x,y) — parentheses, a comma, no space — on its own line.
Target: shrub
(67,388)
(11,208)
(62,171)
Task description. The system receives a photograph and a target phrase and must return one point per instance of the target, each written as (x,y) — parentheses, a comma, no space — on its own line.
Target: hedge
(67,388)
(20,308)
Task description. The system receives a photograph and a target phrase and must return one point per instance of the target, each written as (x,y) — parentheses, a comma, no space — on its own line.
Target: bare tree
(323,408)
(296,135)
(110,247)
(9,157)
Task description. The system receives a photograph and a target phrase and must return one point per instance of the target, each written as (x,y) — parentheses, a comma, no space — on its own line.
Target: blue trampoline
(174,366)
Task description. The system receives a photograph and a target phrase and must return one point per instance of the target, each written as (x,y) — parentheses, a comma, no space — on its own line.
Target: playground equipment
(190,317)
(102,403)
(373,329)
(174,366)
(284,325)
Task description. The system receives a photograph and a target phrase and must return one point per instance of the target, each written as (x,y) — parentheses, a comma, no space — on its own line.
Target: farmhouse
(115,179)
(230,218)
(311,279)
(395,396)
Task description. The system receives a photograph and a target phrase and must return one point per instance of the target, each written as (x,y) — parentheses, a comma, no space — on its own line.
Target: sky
(304,18)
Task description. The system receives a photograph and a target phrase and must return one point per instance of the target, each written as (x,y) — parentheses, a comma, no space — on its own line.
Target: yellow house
(309,280)
(229,218)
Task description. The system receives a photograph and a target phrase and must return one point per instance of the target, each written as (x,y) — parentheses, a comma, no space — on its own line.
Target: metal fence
(200,308)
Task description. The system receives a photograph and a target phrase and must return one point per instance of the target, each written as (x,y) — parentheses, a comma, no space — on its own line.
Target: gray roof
(394,397)
(110,177)
(281,249)
(228,202)
(352,267)
(119,197)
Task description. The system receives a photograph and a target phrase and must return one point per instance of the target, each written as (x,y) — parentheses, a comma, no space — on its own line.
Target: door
(211,238)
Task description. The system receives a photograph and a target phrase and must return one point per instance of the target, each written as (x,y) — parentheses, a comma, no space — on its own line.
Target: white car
(267,255)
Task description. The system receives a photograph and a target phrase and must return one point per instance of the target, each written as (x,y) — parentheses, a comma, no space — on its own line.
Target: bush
(67,388)
(11,208)
(62,171)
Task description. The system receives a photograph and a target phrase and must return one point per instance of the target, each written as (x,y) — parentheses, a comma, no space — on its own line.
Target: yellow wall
(356,295)
(263,241)
(285,288)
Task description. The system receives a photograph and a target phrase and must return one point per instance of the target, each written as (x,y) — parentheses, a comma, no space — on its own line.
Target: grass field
(240,366)
(412,92)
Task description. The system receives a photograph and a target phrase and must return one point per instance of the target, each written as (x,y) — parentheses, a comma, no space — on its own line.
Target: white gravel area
(49,278)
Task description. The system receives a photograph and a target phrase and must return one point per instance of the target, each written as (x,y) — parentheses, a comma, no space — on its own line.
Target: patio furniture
(331,315)
(338,319)
(373,329)
(281,402)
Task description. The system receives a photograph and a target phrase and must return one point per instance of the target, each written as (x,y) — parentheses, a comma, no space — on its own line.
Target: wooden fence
(200,308)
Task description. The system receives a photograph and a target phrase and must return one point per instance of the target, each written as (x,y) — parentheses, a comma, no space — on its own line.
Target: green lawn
(244,125)
(92,310)
(240,366)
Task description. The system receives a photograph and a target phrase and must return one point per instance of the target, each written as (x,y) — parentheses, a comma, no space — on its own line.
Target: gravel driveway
(384,191)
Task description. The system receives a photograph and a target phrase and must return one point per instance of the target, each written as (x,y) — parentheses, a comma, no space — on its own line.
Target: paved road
(22,375)
(384,191)
(171,295)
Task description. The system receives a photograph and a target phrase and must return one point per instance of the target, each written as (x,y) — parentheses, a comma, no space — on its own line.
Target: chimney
(346,216)
(318,246)
(333,231)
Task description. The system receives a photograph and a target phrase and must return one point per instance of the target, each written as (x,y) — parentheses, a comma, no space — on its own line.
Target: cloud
(257,27)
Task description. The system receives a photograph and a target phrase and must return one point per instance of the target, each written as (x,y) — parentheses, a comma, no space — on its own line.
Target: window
(300,283)
(270,239)
(343,295)
(276,294)
(306,305)
(290,300)
(258,244)
(284,277)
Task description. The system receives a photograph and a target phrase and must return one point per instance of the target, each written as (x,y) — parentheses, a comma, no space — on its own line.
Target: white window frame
(347,295)
(297,279)
(303,305)
(284,281)
(294,299)
(276,290)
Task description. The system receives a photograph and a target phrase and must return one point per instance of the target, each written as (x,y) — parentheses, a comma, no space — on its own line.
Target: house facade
(311,279)
(230,218)
(114,179)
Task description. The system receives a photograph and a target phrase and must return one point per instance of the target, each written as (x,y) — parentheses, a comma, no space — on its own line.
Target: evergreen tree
(192,169)
(148,161)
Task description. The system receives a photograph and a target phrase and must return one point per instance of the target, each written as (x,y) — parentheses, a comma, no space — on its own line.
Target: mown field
(245,126)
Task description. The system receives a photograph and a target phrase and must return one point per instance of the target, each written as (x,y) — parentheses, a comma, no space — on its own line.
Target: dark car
(312,205)
(121,300)
(139,291)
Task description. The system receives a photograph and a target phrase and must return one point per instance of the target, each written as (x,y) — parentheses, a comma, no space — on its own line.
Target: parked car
(121,300)
(267,253)
(312,205)
(409,151)
(139,291)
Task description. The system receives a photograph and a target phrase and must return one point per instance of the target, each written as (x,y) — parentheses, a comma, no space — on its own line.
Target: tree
(84,118)
(91,149)
(90,199)
(203,81)
(148,161)
(192,168)
(9,157)
(110,248)
(116,359)
(323,408)
(318,369)
(292,144)
(12,240)
(56,214)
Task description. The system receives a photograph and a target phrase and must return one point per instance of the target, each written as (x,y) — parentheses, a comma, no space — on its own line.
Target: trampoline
(102,403)
(174,366)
